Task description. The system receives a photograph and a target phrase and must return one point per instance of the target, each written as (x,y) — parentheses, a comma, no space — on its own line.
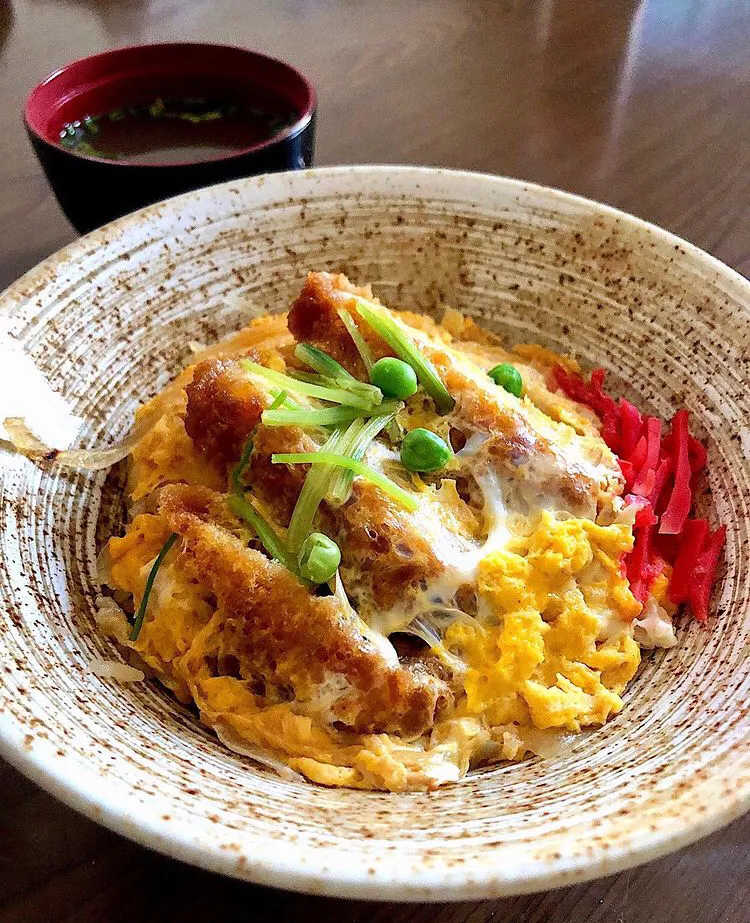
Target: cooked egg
(509,571)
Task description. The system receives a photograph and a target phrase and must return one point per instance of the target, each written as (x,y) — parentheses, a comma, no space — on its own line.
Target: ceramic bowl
(108,321)
(94,190)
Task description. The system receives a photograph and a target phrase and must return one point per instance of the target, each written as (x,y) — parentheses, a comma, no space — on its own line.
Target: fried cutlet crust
(517,450)
(283,635)
(223,407)
(382,547)
(383,550)
(313,318)
(278,485)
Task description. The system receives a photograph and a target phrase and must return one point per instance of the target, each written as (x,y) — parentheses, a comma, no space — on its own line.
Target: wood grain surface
(644,105)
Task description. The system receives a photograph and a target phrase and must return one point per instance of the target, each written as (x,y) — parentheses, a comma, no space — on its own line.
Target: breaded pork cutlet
(286,638)
(518,445)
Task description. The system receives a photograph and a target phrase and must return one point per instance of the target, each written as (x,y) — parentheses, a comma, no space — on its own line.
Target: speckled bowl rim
(62,778)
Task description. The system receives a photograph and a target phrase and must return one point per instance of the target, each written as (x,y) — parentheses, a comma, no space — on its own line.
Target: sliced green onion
(264,530)
(360,388)
(138,623)
(341,483)
(287,402)
(359,341)
(279,400)
(358,467)
(315,487)
(319,416)
(394,431)
(325,416)
(333,395)
(386,327)
(320,361)
(312,378)
(239,468)
(245,510)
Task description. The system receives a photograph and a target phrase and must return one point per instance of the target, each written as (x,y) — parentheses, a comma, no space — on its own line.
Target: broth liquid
(170,132)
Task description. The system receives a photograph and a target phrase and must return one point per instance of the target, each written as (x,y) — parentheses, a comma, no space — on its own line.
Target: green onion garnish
(137,624)
(386,327)
(314,489)
(325,416)
(362,389)
(341,482)
(333,395)
(265,532)
(358,467)
(320,361)
(245,510)
(394,431)
(239,468)
(280,399)
(359,341)
(333,483)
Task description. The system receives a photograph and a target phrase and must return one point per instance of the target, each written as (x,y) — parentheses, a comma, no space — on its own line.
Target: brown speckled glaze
(108,320)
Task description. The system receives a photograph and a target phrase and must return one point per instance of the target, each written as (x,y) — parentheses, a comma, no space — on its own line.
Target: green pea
(395,378)
(318,558)
(422,450)
(508,377)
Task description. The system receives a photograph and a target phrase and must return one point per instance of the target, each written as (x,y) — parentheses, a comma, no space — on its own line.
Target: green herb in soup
(169,131)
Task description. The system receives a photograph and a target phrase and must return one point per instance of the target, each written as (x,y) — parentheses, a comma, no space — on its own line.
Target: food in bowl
(178,130)
(377,551)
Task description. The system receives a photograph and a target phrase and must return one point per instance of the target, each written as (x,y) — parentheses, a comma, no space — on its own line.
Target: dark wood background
(645,105)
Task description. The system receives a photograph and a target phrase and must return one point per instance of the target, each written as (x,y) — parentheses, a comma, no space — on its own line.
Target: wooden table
(642,105)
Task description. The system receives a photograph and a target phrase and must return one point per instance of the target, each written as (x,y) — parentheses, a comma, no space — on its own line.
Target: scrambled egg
(549,646)
(543,663)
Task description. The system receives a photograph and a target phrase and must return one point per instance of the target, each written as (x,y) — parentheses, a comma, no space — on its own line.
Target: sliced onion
(242,303)
(114,669)
(654,628)
(104,567)
(431,625)
(25,442)
(378,640)
(339,593)
(442,771)
(443,617)
(232,741)
(111,619)
(549,743)
(144,505)
(421,628)
(473,445)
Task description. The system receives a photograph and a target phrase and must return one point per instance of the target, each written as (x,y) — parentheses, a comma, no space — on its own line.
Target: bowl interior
(138,75)
(109,320)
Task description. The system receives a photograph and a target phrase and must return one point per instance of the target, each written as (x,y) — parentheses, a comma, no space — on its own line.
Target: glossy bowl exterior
(109,318)
(91,190)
